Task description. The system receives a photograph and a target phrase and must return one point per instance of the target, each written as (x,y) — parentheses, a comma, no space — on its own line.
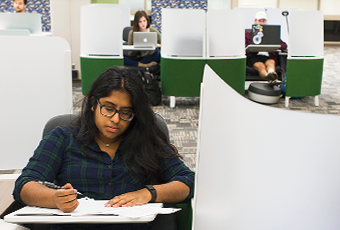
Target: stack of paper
(97,207)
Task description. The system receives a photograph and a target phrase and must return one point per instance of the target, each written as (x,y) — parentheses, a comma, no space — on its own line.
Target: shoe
(274,82)
(271,76)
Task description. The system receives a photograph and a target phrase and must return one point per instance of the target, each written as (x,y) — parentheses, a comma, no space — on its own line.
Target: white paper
(97,207)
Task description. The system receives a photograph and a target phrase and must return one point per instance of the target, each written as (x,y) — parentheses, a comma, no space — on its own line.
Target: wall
(134,4)
(301,4)
(330,7)
(104,1)
(257,3)
(33,6)
(158,5)
(219,4)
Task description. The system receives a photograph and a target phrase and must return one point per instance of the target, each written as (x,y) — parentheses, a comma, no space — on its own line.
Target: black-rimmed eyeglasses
(109,111)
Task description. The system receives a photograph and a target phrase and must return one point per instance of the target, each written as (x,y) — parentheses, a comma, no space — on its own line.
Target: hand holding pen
(54,186)
(65,198)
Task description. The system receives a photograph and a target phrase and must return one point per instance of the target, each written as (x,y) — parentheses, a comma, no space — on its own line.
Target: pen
(51,185)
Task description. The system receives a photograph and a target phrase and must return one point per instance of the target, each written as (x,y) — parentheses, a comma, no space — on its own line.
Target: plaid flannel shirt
(59,159)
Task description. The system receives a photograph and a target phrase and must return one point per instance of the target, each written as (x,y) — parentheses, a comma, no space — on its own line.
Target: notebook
(145,39)
(266,34)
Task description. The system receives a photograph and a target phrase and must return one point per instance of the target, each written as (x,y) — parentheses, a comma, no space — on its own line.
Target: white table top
(26,216)
(9,226)
(132,47)
(262,48)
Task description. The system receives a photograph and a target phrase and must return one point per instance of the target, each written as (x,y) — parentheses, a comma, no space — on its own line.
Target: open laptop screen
(145,39)
(266,34)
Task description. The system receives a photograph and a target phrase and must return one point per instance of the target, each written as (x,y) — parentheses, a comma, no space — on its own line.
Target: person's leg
(155,57)
(270,64)
(151,60)
(265,66)
(270,67)
(129,61)
(261,68)
(257,62)
(147,65)
(144,62)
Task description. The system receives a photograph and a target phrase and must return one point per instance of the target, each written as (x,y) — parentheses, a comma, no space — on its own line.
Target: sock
(271,70)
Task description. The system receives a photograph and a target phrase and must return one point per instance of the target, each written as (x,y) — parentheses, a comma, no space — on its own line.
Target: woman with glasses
(114,151)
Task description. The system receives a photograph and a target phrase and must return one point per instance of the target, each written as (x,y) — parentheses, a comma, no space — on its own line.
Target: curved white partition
(15,32)
(36,84)
(31,22)
(306,39)
(181,35)
(101,30)
(249,15)
(124,8)
(228,41)
(275,17)
(264,168)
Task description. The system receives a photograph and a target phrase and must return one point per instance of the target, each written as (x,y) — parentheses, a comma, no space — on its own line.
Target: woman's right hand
(66,199)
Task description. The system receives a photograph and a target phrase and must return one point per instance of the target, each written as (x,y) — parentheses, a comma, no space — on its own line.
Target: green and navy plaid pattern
(59,159)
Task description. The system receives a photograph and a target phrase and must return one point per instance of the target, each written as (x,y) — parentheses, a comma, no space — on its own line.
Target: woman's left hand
(129,199)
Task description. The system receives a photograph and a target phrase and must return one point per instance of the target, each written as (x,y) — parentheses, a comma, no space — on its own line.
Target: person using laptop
(19,6)
(114,150)
(263,62)
(141,23)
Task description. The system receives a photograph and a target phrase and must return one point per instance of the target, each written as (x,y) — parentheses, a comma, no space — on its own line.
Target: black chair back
(65,119)
(58,120)
(126,32)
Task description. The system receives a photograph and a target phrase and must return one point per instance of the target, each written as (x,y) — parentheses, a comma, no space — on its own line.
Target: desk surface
(27,216)
(262,48)
(132,47)
(8,226)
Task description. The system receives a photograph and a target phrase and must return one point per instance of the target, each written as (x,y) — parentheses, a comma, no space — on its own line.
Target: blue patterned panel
(158,5)
(33,6)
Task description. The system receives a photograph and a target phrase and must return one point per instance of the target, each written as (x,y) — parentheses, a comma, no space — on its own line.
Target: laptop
(145,39)
(266,34)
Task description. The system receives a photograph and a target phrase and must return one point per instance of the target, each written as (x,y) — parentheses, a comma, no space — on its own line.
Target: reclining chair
(280,69)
